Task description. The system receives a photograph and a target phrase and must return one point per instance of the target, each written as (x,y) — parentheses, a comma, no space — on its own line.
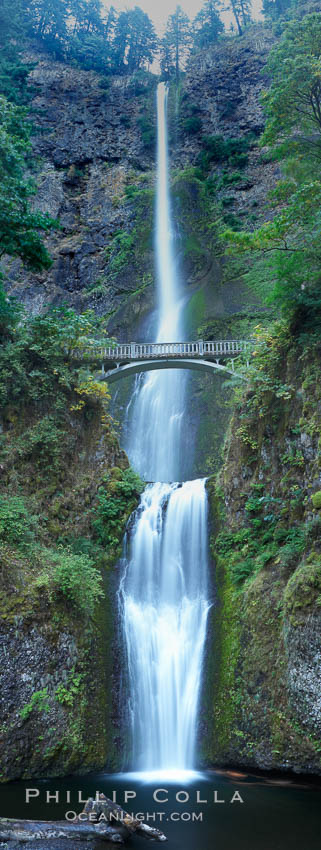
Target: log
(104,809)
(22,831)
(100,819)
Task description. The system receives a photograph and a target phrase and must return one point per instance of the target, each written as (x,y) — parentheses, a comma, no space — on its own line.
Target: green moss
(38,702)
(195,311)
(303,590)
(316,500)
(225,693)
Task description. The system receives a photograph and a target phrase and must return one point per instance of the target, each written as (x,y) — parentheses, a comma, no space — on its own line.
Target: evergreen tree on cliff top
(242,13)
(207,25)
(176,41)
(135,41)
(91,36)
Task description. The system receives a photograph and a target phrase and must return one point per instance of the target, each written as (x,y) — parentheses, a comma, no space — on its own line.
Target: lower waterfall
(165,605)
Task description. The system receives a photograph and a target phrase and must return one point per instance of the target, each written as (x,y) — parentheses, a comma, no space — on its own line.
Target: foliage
(147,128)
(276,9)
(38,376)
(207,26)
(282,256)
(218,149)
(19,224)
(115,500)
(241,10)
(175,44)
(17,525)
(73,578)
(135,40)
(84,32)
(91,389)
(119,250)
(67,694)
(294,99)
(10,313)
(248,549)
(316,500)
(13,72)
(193,124)
(39,702)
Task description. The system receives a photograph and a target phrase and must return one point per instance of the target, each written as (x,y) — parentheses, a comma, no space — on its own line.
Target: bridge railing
(146,350)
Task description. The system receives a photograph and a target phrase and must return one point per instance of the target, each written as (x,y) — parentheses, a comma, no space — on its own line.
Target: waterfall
(155,441)
(163,592)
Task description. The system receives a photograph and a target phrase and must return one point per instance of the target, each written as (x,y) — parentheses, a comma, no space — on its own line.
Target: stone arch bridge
(125,359)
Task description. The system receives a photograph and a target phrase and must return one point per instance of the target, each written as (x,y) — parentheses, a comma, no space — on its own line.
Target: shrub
(231,177)
(218,149)
(192,125)
(120,250)
(239,160)
(16,524)
(73,577)
(39,701)
(115,501)
(316,500)
(148,130)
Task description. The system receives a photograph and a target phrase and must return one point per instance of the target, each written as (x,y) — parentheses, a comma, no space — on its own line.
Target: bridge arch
(132,368)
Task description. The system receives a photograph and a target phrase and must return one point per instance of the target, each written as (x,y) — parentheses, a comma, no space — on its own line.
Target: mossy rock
(116,473)
(302,589)
(316,500)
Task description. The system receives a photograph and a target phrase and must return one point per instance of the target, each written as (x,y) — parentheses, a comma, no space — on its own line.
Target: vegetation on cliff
(65,496)
(266,503)
(286,267)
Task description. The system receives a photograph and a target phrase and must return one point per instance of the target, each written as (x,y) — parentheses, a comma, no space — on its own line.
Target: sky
(159,10)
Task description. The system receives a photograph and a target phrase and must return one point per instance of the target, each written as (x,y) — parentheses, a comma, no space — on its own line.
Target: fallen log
(22,831)
(100,819)
(105,809)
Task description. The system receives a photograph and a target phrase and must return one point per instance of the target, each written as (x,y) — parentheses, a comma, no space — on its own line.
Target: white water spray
(164,593)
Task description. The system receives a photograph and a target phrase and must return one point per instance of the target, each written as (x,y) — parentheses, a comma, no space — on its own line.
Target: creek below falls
(273,816)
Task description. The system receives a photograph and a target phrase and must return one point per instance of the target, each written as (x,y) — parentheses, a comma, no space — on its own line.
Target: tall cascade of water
(155,440)
(164,592)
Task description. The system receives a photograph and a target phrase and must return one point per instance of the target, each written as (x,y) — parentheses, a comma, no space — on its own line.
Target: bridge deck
(157,350)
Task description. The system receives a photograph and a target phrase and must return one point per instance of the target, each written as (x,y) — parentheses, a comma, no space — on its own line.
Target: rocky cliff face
(223,88)
(61,469)
(89,147)
(263,697)
(94,145)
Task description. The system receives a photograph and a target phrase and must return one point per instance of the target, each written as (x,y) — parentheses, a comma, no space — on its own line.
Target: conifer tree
(207,25)
(176,41)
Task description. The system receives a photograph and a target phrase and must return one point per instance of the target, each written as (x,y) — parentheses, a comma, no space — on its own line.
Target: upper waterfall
(170,318)
(157,406)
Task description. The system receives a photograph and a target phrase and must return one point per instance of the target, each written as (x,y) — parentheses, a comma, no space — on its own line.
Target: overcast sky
(159,10)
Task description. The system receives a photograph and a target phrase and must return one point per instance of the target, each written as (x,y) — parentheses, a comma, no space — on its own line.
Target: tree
(13,72)
(48,20)
(142,40)
(285,251)
(135,41)
(294,99)
(207,25)
(242,13)
(275,9)
(176,40)
(19,224)
(87,16)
